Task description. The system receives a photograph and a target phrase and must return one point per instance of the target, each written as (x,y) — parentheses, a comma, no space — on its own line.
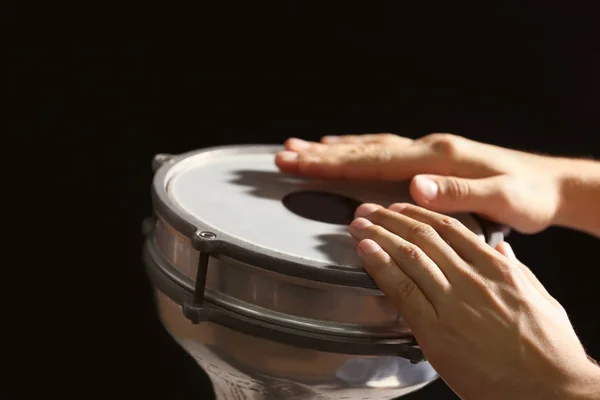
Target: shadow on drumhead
(339,248)
(311,199)
(304,197)
(276,185)
(269,185)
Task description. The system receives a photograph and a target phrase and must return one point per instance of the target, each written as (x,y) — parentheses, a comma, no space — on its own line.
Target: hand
(482,319)
(449,174)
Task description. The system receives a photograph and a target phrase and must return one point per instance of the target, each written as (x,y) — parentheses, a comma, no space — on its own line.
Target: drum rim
(202,238)
(266,312)
(164,278)
(233,247)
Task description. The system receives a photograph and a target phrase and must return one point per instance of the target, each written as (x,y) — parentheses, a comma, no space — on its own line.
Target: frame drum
(256,277)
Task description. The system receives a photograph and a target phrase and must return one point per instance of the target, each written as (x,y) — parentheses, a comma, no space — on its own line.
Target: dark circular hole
(322,206)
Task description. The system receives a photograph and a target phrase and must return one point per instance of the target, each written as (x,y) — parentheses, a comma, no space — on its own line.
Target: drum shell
(248,367)
(287,300)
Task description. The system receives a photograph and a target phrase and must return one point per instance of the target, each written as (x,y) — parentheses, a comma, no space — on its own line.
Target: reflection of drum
(258,279)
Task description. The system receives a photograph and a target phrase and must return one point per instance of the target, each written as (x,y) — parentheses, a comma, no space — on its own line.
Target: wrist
(578,185)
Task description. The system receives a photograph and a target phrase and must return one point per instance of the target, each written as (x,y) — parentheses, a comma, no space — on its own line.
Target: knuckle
(379,216)
(354,150)
(400,207)
(419,232)
(435,137)
(410,252)
(404,289)
(450,223)
(456,189)
(445,144)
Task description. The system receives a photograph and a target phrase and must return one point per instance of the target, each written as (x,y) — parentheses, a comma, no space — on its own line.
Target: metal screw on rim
(207,235)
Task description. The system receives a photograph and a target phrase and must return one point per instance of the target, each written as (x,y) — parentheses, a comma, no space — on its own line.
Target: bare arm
(580,199)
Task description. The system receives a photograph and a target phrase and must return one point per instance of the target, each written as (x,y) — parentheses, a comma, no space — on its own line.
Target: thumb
(448,194)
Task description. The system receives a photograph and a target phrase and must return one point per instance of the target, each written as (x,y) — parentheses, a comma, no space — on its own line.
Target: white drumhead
(241,193)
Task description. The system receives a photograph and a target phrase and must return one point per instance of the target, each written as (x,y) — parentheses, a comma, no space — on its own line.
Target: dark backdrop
(122,83)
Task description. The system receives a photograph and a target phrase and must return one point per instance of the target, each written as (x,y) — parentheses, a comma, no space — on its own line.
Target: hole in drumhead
(325,207)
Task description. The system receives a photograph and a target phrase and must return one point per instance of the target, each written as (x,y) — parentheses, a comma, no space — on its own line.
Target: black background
(120,83)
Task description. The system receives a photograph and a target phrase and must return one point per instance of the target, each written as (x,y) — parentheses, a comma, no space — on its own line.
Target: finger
(366,138)
(410,301)
(468,245)
(299,145)
(448,194)
(365,209)
(420,233)
(409,257)
(287,162)
(296,156)
(505,249)
(381,161)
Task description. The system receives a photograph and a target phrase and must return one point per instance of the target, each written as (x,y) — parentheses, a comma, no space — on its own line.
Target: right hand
(483,320)
(449,173)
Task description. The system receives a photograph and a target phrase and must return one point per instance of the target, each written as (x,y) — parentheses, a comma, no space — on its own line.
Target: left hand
(482,319)
(448,174)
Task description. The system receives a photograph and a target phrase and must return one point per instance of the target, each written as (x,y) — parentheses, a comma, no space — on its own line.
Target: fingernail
(360,223)
(298,144)
(331,139)
(368,246)
(427,187)
(508,251)
(289,156)
(365,209)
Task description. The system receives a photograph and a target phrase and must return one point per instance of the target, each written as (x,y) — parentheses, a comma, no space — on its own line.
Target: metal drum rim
(192,228)
(264,314)
(404,347)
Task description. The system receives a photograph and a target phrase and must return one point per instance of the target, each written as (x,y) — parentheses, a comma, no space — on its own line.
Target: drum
(256,277)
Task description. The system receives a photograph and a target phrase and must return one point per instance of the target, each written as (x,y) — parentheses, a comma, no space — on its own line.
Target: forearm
(580,195)
(586,386)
